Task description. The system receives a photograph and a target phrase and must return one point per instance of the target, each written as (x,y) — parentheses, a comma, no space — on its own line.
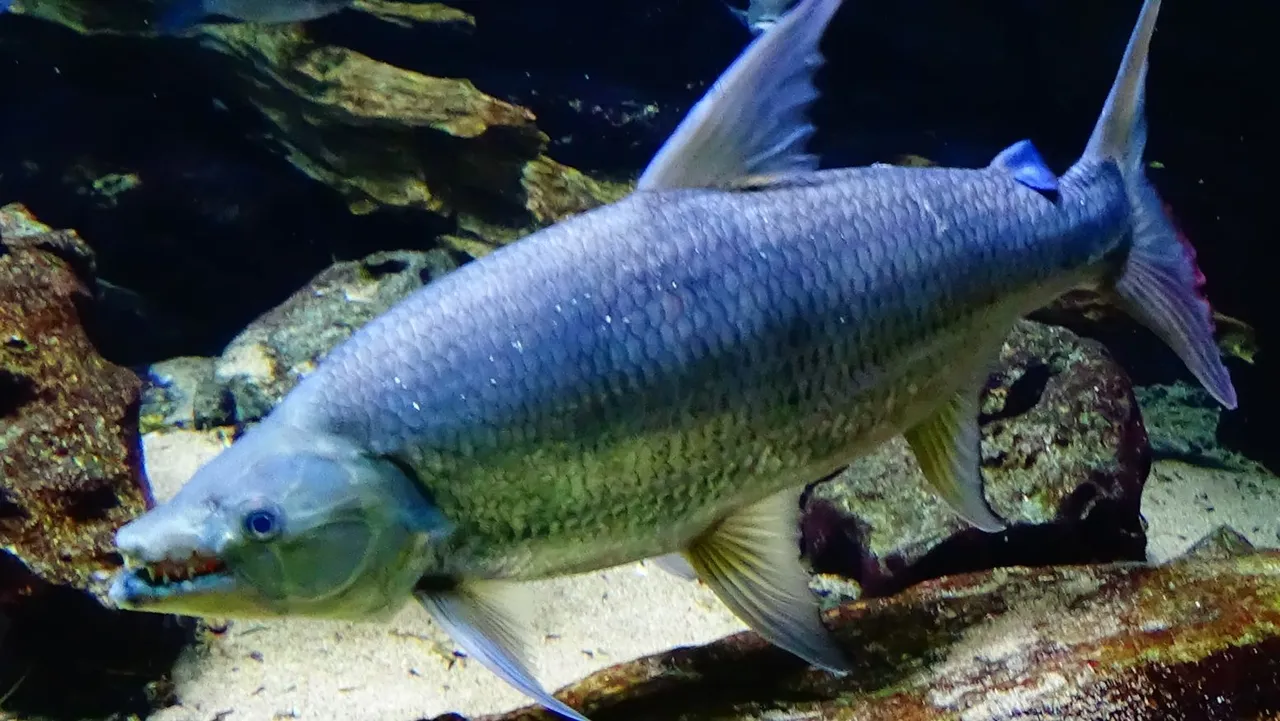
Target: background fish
(182,15)
(661,377)
(761,15)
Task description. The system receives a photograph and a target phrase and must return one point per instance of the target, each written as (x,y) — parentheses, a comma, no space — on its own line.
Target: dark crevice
(92,503)
(119,656)
(1090,527)
(15,392)
(1023,394)
(9,508)
(386,267)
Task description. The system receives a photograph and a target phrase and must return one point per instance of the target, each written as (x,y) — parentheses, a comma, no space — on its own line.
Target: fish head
(762,22)
(283,522)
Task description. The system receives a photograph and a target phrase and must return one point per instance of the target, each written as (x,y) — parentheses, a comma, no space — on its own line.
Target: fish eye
(262,524)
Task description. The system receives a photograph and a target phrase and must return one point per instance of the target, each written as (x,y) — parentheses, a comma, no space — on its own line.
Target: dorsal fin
(753,121)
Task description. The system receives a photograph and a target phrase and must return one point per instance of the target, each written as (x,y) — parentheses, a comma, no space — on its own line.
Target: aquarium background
(185,200)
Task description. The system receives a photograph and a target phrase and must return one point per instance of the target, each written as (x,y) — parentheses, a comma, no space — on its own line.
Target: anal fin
(752,562)
(948,447)
(486,620)
(677,565)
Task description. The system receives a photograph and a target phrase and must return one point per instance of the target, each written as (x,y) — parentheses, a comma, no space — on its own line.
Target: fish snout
(161,535)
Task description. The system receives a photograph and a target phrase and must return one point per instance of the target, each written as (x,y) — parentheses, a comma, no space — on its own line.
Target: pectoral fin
(485,619)
(947,445)
(752,562)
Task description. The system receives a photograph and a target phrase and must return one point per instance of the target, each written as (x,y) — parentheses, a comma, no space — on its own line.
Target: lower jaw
(130,591)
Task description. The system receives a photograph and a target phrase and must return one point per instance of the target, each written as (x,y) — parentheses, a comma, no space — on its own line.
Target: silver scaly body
(649,366)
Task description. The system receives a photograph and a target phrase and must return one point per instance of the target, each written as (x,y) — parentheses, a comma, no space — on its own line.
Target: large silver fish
(662,376)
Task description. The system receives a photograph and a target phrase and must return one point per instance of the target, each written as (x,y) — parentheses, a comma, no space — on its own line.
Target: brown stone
(1198,639)
(69,449)
(1064,456)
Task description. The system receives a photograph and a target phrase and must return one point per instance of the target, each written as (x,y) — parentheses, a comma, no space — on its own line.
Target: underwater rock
(69,475)
(69,450)
(270,356)
(184,393)
(381,135)
(1197,638)
(384,136)
(1182,423)
(1221,543)
(1064,456)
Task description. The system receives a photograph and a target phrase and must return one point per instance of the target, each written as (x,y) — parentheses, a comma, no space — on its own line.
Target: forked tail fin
(1160,285)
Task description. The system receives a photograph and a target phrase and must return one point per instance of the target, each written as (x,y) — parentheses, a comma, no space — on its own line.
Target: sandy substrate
(406,669)
(1182,503)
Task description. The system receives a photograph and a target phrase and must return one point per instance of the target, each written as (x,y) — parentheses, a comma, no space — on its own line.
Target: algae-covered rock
(266,360)
(383,136)
(69,450)
(69,476)
(184,393)
(1064,457)
(1182,422)
(1198,638)
(387,136)
(1221,543)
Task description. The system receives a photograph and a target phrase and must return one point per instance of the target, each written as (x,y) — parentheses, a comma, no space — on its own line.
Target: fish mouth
(143,582)
(168,572)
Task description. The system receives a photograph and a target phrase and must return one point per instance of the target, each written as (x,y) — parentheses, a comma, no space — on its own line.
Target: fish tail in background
(738,13)
(179,16)
(1160,284)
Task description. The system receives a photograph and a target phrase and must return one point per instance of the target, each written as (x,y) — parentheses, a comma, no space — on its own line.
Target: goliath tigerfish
(182,15)
(662,376)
